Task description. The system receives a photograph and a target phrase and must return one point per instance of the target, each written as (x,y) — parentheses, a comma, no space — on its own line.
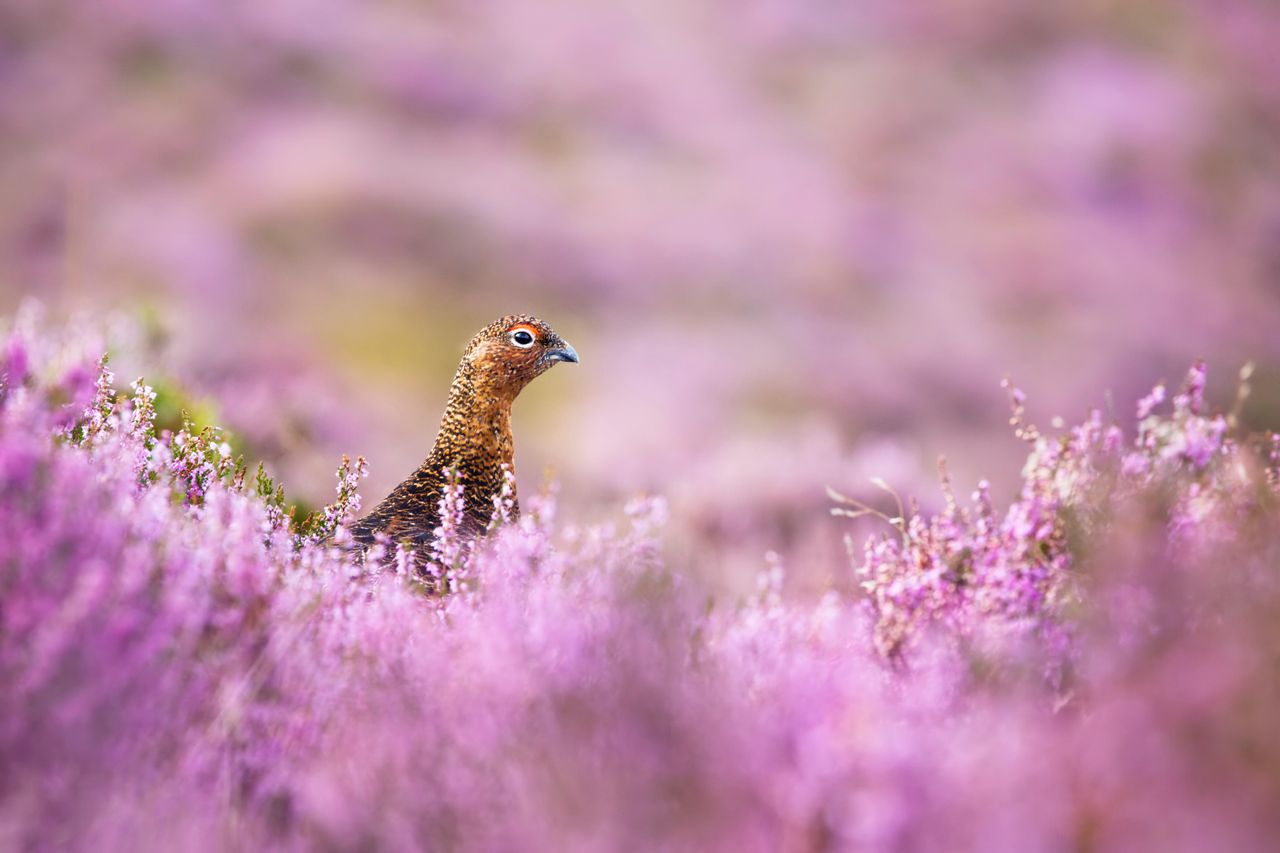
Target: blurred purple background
(798,243)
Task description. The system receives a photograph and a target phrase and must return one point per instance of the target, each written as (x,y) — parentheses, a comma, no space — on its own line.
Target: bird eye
(522,338)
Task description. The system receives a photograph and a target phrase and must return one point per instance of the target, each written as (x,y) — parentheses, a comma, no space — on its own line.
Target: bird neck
(476,427)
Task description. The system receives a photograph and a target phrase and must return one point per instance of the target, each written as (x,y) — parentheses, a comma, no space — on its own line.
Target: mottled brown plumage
(475,432)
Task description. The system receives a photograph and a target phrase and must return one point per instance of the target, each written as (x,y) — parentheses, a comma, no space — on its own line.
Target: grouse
(475,433)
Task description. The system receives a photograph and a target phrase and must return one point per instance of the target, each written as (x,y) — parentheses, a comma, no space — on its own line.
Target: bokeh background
(798,242)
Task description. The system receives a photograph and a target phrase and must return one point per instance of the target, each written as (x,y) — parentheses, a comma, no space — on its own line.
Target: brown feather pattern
(475,432)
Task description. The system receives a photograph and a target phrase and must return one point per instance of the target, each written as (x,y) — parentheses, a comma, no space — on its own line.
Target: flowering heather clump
(183,667)
(972,570)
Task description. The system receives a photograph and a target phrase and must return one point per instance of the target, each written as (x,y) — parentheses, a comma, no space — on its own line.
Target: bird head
(508,354)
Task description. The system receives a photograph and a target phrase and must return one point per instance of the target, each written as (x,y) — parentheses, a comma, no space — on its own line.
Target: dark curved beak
(563,352)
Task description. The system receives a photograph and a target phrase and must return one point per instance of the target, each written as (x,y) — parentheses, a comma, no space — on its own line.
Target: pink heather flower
(1148,403)
(1135,464)
(1112,441)
(451,548)
(1191,400)
(1203,439)
(504,502)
